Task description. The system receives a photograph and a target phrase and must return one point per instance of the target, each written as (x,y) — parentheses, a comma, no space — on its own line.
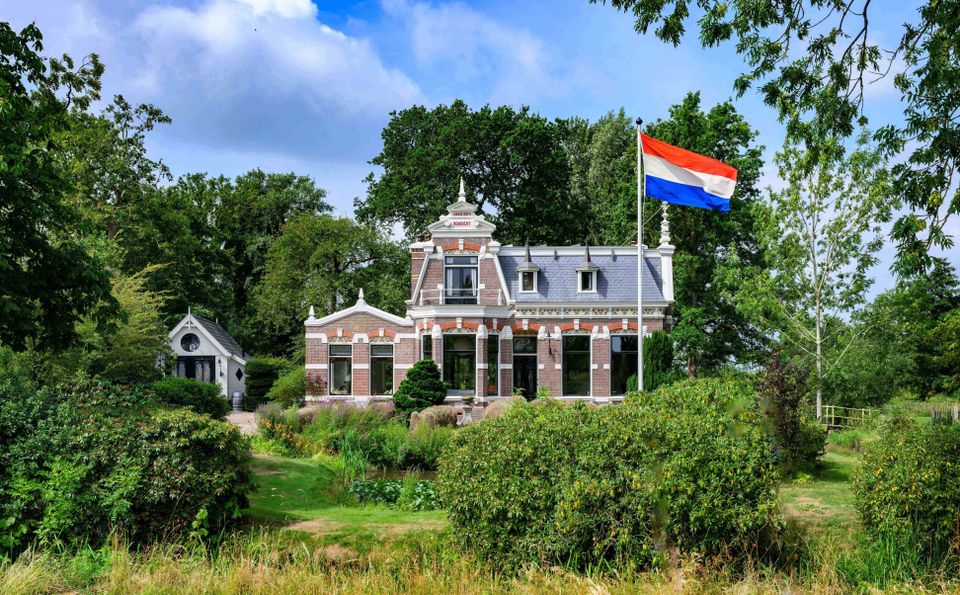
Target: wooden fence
(835,416)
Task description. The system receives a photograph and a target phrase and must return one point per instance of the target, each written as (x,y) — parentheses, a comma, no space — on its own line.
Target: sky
(307,86)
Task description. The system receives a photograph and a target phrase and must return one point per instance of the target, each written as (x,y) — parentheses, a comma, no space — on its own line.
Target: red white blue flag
(680,177)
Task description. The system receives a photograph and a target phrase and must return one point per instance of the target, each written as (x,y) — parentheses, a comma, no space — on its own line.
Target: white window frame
(520,275)
(593,275)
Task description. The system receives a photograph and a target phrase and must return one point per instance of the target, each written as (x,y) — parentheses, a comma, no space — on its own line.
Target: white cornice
(361,307)
(578,251)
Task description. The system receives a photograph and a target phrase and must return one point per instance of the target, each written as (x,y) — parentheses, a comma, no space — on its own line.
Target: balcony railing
(446,296)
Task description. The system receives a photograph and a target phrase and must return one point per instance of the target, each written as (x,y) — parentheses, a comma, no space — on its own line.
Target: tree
(249,216)
(513,163)
(325,262)
(782,387)
(173,226)
(420,388)
(709,331)
(812,60)
(106,156)
(947,335)
(47,283)
(819,235)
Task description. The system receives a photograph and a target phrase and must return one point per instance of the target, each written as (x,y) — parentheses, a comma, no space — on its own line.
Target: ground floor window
(381,369)
(493,361)
(426,342)
(341,369)
(196,367)
(525,366)
(576,365)
(623,363)
(460,362)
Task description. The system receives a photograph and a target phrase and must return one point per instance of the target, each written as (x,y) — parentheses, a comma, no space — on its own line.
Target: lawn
(309,496)
(823,499)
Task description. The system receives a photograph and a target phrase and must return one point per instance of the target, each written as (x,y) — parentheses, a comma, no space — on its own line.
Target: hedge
(552,483)
(199,397)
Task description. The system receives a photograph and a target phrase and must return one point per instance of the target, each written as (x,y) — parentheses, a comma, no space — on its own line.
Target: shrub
(687,466)
(290,389)
(408,494)
(799,438)
(657,361)
(200,397)
(388,445)
(92,458)
(910,482)
(421,388)
(434,417)
(498,408)
(261,374)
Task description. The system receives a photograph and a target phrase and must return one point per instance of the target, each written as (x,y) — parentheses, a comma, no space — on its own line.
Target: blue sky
(295,85)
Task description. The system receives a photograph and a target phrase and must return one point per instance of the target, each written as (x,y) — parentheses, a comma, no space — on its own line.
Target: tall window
(426,346)
(493,361)
(623,363)
(576,365)
(461,280)
(460,362)
(381,368)
(525,365)
(341,369)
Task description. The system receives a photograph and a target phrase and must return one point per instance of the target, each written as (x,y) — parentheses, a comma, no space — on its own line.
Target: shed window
(341,369)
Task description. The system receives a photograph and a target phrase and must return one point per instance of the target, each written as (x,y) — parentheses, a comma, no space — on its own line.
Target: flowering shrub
(686,466)
(909,483)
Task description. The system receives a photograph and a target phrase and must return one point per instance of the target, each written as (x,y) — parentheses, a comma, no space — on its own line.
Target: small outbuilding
(207,352)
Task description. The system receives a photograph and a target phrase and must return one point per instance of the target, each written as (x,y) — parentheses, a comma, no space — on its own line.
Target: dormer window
(588,281)
(528,281)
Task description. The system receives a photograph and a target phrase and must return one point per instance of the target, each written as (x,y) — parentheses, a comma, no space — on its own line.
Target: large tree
(47,281)
(513,162)
(709,330)
(812,60)
(248,218)
(325,262)
(819,236)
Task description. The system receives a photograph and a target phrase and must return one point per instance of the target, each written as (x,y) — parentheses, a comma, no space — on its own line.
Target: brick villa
(498,318)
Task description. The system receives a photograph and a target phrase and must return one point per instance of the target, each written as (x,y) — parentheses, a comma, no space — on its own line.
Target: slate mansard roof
(222,336)
(557,282)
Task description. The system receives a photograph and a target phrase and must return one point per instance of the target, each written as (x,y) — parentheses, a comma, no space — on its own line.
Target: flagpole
(640,193)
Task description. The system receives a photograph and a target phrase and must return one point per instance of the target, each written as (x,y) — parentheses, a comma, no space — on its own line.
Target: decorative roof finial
(528,265)
(360,297)
(189,311)
(664,228)
(462,195)
(312,314)
(586,255)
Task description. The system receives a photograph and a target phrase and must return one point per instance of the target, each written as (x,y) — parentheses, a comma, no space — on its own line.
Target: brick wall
(600,362)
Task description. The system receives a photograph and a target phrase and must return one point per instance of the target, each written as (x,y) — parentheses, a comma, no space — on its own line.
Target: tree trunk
(691,367)
(819,356)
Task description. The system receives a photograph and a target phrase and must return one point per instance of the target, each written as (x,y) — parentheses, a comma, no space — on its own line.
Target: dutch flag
(681,177)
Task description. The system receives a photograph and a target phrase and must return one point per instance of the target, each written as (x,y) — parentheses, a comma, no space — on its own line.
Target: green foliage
(420,388)
(200,397)
(261,374)
(408,494)
(325,261)
(688,465)
(427,446)
(782,387)
(947,337)
(78,462)
(512,161)
(812,62)
(48,282)
(910,481)
(289,389)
